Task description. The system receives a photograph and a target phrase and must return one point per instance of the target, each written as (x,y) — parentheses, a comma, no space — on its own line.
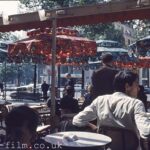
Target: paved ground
(8,98)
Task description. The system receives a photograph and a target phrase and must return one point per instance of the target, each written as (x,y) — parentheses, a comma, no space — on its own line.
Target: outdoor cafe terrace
(107,12)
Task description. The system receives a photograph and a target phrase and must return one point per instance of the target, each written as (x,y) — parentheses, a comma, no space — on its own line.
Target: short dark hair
(20,116)
(69,89)
(107,58)
(123,77)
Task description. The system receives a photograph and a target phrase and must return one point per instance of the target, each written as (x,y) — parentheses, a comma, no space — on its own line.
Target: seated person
(68,103)
(121,109)
(69,81)
(57,103)
(88,97)
(21,124)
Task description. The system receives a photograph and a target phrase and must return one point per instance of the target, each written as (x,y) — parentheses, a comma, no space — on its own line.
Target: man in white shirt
(120,109)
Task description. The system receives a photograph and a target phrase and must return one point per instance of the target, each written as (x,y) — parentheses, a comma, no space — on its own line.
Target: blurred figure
(69,81)
(21,124)
(45,88)
(142,96)
(121,109)
(57,104)
(102,79)
(2,88)
(68,103)
(69,107)
(88,97)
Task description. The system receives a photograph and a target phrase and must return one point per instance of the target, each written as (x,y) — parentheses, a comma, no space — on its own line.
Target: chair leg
(123,141)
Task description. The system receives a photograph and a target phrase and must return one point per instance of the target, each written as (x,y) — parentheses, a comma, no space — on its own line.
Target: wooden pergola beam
(82,15)
(96,9)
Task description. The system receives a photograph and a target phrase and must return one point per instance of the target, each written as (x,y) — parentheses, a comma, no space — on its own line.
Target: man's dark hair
(107,58)
(69,91)
(122,78)
(19,117)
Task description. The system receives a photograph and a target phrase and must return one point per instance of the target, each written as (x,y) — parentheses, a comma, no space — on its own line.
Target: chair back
(145,144)
(3,113)
(122,139)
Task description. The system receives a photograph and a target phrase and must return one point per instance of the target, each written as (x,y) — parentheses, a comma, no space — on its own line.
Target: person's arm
(88,114)
(142,120)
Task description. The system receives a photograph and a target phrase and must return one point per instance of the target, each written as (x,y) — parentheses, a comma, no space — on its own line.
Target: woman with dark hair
(21,124)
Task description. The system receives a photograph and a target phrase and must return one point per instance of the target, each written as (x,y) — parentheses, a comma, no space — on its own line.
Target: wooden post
(53,78)
(5,80)
(82,93)
(34,79)
(58,76)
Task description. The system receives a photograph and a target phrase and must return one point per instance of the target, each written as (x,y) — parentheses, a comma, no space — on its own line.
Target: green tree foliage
(8,36)
(11,72)
(7,72)
(99,31)
(141,27)
(50,4)
(102,31)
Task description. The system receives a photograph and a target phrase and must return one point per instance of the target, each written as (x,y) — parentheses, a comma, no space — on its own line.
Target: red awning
(38,47)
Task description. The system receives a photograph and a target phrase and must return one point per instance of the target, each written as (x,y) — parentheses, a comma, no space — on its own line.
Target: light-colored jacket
(116,110)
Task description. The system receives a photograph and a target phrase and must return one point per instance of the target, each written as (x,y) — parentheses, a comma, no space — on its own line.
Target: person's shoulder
(137,101)
(75,102)
(113,70)
(98,71)
(75,99)
(133,101)
(105,69)
(86,94)
(64,98)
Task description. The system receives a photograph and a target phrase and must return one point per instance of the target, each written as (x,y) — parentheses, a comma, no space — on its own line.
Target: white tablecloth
(84,139)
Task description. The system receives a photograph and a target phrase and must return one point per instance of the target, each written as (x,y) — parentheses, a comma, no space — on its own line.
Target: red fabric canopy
(38,47)
(142,62)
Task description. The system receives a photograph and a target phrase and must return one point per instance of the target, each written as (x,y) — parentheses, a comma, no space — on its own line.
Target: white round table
(83,139)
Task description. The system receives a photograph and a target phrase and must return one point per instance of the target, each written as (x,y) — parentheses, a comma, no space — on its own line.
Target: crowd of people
(113,99)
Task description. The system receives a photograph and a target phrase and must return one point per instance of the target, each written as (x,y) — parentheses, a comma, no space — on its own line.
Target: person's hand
(92,127)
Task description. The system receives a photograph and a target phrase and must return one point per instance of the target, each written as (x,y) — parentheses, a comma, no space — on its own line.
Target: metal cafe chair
(122,139)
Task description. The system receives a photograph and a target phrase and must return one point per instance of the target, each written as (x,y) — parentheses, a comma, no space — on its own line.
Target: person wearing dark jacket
(69,81)
(102,79)
(68,103)
(45,88)
(88,97)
